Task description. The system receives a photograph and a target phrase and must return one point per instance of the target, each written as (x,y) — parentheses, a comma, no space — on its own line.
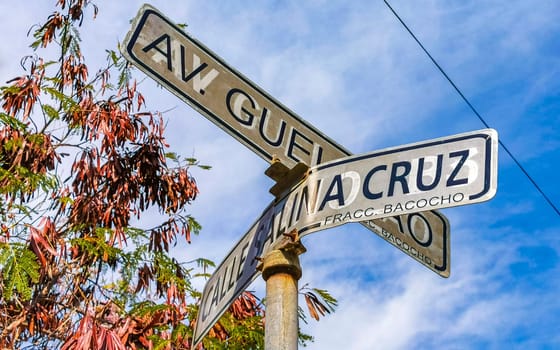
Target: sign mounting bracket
(285,177)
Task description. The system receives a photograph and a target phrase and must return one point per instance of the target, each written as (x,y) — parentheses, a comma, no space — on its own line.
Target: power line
(473,109)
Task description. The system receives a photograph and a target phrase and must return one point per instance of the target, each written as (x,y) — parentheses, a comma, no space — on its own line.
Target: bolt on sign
(203,80)
(440,173)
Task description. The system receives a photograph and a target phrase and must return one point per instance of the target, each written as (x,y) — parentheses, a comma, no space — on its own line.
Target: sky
(351,70)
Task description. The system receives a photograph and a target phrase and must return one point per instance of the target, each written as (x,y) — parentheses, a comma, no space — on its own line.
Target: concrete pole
(281,271)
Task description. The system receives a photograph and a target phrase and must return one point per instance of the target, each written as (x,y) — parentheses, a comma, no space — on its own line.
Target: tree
(80,161)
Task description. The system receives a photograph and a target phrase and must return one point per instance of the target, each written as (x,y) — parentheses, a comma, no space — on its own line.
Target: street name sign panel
(203,80)
(440,173)
(231,101)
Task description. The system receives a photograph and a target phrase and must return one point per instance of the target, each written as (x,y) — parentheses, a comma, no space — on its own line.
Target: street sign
(440,173)
(203,80)
(435,174)
(231,101)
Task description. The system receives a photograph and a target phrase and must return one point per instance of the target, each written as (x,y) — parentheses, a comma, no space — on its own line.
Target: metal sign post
(281,271)
(282,326)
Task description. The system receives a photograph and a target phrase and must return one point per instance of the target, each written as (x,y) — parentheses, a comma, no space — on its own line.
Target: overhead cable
(473,109)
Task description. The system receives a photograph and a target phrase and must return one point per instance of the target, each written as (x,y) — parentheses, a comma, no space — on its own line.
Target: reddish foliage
(91,335)
(245,306)
(22,153)
(54,22)
(24,92)
(74,73)
(315,306)
(119,171)
(110,185)
(43,242)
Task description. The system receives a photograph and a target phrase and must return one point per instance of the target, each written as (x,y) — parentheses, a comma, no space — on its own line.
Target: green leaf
(147,308)
(66,102)
(20,270)
(194,225)
(13,122)
(172,156)
(111,54)
(51,112)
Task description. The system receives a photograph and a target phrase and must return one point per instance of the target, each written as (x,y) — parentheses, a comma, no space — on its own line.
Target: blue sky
(351,69)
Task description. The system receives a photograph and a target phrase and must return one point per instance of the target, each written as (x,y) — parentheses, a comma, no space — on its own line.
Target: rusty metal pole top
(281,261)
